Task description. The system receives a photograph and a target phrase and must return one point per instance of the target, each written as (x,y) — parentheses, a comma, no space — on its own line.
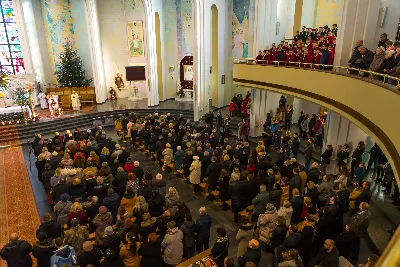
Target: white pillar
(96,53)
(308,13)
(359,22)
(264,24)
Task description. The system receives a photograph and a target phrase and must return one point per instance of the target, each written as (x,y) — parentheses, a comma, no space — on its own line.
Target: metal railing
(372,75)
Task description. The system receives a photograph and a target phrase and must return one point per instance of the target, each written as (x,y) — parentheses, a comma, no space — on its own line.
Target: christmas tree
(69,70)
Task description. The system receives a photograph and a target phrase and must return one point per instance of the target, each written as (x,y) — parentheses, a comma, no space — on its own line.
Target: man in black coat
(61,188)
(314,173)
(91,255)
(346,242)
(49,227)
(253,254)
(328,255)
(297,205)
(365,60)
(111,202)
(111,239)
(138,170)
(16,252)
(294,238)
(213,173)
(365,195)
(203,226)
(43,249)
(123,157)
(356,54)
(236,191)
(295,182)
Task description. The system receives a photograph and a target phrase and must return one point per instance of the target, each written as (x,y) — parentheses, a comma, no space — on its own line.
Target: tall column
(298,14)
(264,24)
(308,14)
(359,22)
(96,53)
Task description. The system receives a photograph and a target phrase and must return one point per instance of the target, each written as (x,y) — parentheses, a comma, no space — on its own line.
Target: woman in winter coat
(244,235)
(168,154)
(43,249)
(178,157)
(101,221)
(195,173)
(267,223)
(62,208)
(324,191)
(285,190)
(286,212)
(343,155)
(172,245)
(224,185)
(312,193)
(378,60)
(291,258)
(343,176)
(78,213)
(220,249)
(172,200)
(150,252)
(187,162)
(279,233)
(188,230)
(129,252)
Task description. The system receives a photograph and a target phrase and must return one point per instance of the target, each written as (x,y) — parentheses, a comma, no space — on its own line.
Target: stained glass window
(10,47)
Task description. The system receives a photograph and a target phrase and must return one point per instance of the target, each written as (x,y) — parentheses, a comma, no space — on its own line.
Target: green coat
(179,155)
(260,202)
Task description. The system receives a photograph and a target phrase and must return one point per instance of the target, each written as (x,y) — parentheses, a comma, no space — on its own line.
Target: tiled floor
(383,213)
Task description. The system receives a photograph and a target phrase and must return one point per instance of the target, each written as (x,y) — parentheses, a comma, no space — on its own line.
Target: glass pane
(5,58)
(15,47)
(4,48)
(16,54)
(3,36)
(12,32)
(8,68)
(8,11)
(17,62)
(19,70)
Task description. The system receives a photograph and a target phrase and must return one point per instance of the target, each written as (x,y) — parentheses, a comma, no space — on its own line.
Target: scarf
(221,239)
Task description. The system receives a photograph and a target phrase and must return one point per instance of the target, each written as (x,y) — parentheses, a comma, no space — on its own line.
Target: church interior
(199,133)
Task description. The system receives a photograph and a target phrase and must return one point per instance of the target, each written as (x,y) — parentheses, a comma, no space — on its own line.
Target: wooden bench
(204,188)
(229,203)
(218,201)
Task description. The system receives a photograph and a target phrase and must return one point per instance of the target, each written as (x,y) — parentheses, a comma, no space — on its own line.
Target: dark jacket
(252,254)
(58,190)
(275,197)
(203,226)
(16,254)
(365,196)
(116,262)
(237,195)
(111,241)
(345,243)
(90,257)
(219,252)
(260,202)
(151,255)
(326,156)
(145,192)
(354,56)
(278,236)
(188,230)
(295,182)
(156,204)
(213,173)
(313,175)
(100,191)
(309,151)
(292,241)
(111,202)
(51,228)
(361,221)
(42,251)
(138,171)
(328,259)
(344,196)
(297,205)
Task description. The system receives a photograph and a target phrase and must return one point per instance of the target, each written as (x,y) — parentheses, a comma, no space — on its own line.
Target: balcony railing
(367,74)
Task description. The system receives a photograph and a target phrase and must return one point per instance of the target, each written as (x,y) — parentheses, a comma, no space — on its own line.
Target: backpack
(58,261)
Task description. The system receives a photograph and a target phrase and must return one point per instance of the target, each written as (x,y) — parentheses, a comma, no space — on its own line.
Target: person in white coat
(42,100)
(76,103)
(195,173)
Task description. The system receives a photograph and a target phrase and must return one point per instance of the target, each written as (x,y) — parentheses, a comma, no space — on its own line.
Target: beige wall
(370,106)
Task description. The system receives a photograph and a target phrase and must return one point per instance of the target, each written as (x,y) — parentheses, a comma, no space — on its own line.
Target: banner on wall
(135,39)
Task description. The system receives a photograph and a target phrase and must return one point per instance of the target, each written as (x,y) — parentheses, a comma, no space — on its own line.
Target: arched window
(10,47)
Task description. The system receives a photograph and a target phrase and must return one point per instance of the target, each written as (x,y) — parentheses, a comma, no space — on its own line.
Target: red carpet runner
(18,210)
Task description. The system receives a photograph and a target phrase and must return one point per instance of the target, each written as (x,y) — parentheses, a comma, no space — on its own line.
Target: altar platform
(88,117)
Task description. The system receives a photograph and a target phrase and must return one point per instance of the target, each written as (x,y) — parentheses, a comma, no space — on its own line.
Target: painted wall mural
(185,27)
(57,18)
(328,12)
(240,29)
(135,38)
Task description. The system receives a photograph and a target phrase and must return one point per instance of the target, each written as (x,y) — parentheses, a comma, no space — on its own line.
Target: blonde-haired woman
(93,158)
(67,161)
(171,200)
(195,173)
(168,154)
(77,212)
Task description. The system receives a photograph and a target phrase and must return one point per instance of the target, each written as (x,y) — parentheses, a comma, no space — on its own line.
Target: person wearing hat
(43,249)
(91,255)
(195,173)
(111,239)
(76,236)
(102,220)
(61,209)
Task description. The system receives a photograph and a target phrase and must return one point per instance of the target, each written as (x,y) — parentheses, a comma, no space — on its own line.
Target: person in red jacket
(267,56)
(232,108)
(331,54)
(129,165)
(307,58)
(317,57)
(331,36)
(259,56)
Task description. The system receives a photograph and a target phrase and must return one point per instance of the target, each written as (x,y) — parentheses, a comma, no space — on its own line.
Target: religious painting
(240,29)
(188,72)
(135,39)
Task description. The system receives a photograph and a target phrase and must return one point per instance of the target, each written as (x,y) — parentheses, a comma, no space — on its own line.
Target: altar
(16,109)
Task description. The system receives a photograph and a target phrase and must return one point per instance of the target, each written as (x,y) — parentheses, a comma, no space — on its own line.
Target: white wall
(308,13)
(304,105)
(391,20)
(290,12)
(113,18)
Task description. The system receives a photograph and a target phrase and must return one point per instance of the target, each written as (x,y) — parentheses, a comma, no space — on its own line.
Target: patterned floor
(18,210)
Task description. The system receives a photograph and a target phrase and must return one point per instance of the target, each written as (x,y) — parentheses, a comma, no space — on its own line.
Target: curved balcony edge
(370,105)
